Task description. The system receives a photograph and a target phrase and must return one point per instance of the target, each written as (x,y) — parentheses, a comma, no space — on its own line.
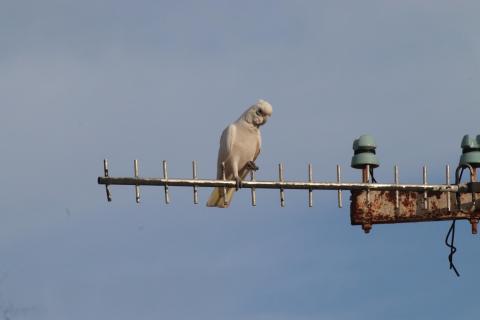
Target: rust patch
(356,213)
(409,202)
(390,196)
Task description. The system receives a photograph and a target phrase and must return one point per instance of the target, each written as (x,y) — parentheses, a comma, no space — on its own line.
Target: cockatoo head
(258,114)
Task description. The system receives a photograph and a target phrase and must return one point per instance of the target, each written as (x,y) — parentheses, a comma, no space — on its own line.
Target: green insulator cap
(470,151)
(364,152)
(364,142)
(360,160)
(470,143)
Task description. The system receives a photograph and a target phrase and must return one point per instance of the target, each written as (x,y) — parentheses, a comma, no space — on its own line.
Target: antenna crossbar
(298,185)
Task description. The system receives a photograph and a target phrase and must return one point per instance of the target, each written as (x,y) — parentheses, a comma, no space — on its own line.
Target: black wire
(451,231)
(371,175)
(453,249)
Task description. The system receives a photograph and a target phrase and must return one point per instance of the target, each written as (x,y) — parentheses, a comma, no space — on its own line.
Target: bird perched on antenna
(239,148)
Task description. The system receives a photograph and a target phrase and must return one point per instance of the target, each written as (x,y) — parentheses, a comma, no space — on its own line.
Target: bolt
(474,223)
(366,227)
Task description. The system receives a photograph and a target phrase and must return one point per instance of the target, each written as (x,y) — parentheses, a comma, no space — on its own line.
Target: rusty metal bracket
(381,208)
(370,207)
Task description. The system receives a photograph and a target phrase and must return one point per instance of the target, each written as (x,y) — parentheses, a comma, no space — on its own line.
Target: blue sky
(81,81)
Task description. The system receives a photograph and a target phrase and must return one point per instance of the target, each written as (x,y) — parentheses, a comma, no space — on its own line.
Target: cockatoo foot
(252,166)
(238,183)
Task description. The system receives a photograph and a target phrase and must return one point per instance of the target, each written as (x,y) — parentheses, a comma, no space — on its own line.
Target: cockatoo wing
(225,151)
(217,199)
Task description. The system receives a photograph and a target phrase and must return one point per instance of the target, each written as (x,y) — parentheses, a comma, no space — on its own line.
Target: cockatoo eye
(259,112)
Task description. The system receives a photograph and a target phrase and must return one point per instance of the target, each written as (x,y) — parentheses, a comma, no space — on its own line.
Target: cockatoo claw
(238,184)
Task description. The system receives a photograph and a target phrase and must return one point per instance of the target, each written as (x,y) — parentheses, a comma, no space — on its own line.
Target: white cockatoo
(239,148)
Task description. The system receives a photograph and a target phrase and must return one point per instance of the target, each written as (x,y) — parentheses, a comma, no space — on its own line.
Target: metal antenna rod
(296,185)
(195,188)
(447,178)
(339,192)
(224,189)
(367,223)
(397,193)
(425,194)
(473,178)
(105,172)
(282,192)
(367,175)
(137,188)
(310,179)
(165,176)
(253,191)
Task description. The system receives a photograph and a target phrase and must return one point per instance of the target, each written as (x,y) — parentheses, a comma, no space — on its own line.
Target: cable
(451,231)
(453,249)
(371,175)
